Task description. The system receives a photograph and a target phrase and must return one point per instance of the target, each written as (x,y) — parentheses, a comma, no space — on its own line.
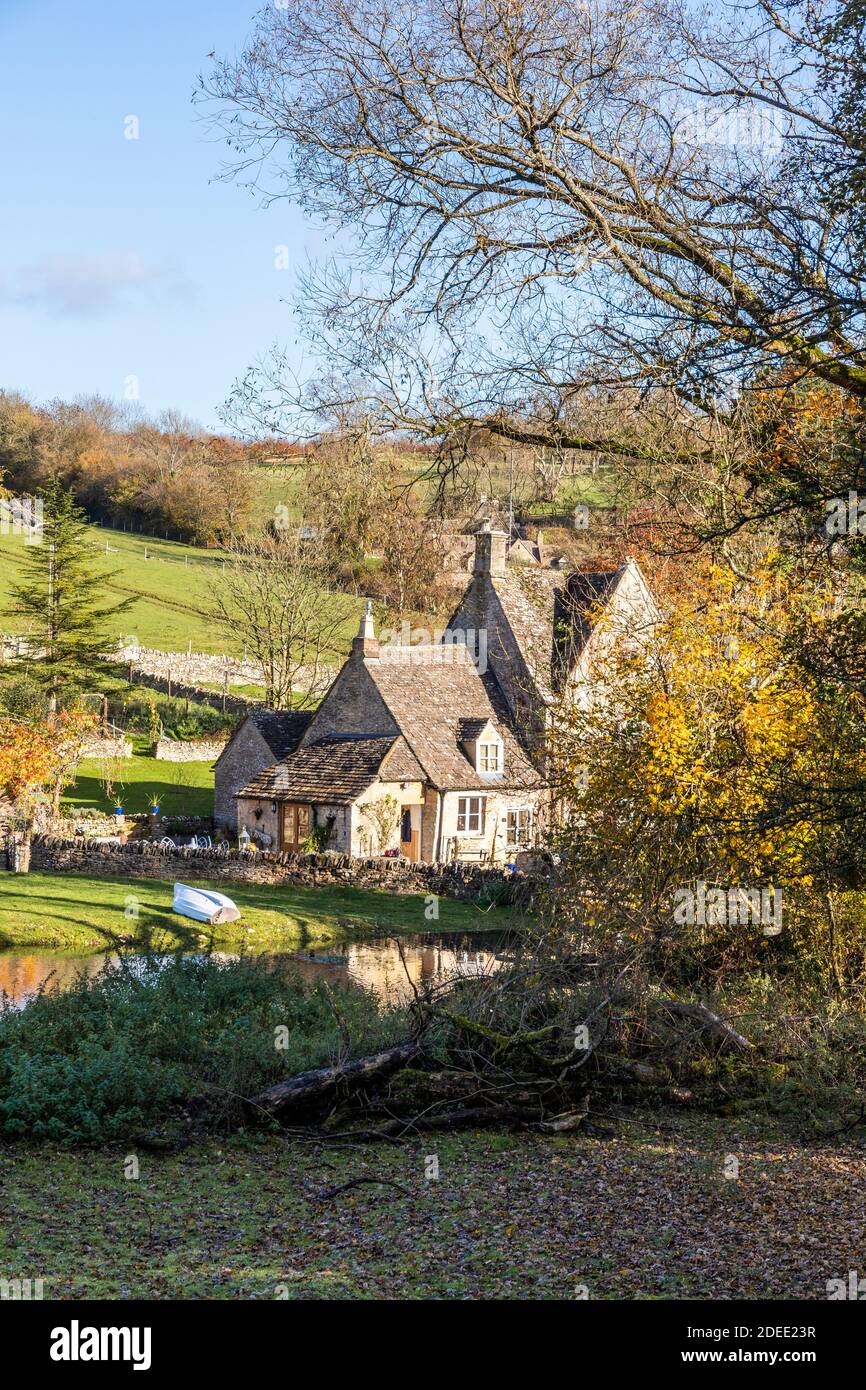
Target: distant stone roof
(431,692)
(335,771)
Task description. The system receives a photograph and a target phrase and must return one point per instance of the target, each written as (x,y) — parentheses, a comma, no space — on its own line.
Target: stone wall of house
(353,706)
(245,757)
(145,859)
(260,821)
(492,842)
(172,750)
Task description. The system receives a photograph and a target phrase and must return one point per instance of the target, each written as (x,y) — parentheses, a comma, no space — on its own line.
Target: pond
(374,964)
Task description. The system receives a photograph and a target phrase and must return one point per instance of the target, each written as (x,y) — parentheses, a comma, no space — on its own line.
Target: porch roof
(335,771)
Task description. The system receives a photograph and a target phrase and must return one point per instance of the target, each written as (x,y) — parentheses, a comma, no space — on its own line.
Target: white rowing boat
(203,904)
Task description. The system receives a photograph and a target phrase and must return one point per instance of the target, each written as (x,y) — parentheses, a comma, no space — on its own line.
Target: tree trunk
(22,852)
(311,1086)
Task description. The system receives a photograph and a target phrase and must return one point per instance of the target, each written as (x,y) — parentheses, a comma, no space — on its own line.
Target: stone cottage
(437,751)
(264,736)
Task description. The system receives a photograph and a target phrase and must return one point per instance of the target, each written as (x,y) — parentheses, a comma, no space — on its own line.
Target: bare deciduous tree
(552,198)
(273,599)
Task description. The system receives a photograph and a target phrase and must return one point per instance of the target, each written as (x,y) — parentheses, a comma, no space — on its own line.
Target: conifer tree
(62,600)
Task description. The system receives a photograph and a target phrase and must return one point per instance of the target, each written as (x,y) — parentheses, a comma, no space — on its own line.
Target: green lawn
(182,789)
(76,912)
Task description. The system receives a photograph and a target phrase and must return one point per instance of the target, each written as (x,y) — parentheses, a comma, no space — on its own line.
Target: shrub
(131,1049)
(145,712)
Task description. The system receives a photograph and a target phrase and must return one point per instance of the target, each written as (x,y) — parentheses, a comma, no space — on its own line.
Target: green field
(181,789)
(172,591)
(77,912)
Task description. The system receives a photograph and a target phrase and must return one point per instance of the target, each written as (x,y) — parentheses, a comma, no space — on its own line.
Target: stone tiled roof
(585,589)
(335,771)
(431,693)
(469,729)
(281,729)
(548,612)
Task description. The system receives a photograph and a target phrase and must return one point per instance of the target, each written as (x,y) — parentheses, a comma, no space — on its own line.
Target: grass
(181,789)
(77,912)
(172,590)
(643,1215)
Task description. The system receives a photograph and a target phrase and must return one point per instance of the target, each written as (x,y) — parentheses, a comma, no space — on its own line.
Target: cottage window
(470,814)
(519,826)
(489,757)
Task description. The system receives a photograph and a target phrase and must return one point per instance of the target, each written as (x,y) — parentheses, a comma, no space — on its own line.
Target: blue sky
(123,258)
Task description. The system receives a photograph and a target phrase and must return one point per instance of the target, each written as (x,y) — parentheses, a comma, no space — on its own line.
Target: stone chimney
(490,551)
(366,644)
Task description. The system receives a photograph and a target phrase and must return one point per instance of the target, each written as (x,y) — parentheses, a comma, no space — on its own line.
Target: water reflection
(376,965)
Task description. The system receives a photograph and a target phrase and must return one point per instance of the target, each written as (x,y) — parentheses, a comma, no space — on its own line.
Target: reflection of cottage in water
(385,974)
(372,965)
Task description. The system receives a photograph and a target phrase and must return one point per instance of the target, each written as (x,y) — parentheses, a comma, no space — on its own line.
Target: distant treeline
(163,476)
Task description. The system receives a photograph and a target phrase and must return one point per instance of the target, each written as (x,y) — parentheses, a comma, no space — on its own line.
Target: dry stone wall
(147,859)
(172,750)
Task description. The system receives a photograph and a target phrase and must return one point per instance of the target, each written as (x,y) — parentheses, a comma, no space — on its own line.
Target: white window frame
(490,745)
(469,821)
(515,842)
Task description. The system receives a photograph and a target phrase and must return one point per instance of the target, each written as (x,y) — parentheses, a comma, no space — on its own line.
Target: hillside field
(171,588)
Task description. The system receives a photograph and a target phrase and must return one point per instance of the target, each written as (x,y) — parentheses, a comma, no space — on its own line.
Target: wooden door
(408,836)
(294,826)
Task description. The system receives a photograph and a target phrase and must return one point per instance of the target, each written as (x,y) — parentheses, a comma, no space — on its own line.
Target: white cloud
(90,286)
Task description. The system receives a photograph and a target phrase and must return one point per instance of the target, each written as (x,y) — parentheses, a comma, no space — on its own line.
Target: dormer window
(482,744)
(490,757)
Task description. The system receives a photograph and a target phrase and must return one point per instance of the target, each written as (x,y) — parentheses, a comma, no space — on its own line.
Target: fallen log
(723,1032)
(475,1116)
(310,1086)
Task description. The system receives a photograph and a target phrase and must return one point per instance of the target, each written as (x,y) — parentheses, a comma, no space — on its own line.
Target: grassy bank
(76,912)
(644,1215)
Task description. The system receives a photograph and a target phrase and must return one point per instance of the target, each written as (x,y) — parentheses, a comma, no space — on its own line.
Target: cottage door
(408,835)
(295,829)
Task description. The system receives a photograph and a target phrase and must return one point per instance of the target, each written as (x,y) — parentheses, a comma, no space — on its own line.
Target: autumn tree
(716,755)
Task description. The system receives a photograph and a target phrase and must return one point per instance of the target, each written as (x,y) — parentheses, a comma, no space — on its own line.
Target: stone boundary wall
(229,704)
(145,859)
(171,750)
(118,747)
(190,668)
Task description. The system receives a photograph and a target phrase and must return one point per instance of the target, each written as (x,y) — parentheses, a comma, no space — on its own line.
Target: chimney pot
(366,644)
(490,552)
